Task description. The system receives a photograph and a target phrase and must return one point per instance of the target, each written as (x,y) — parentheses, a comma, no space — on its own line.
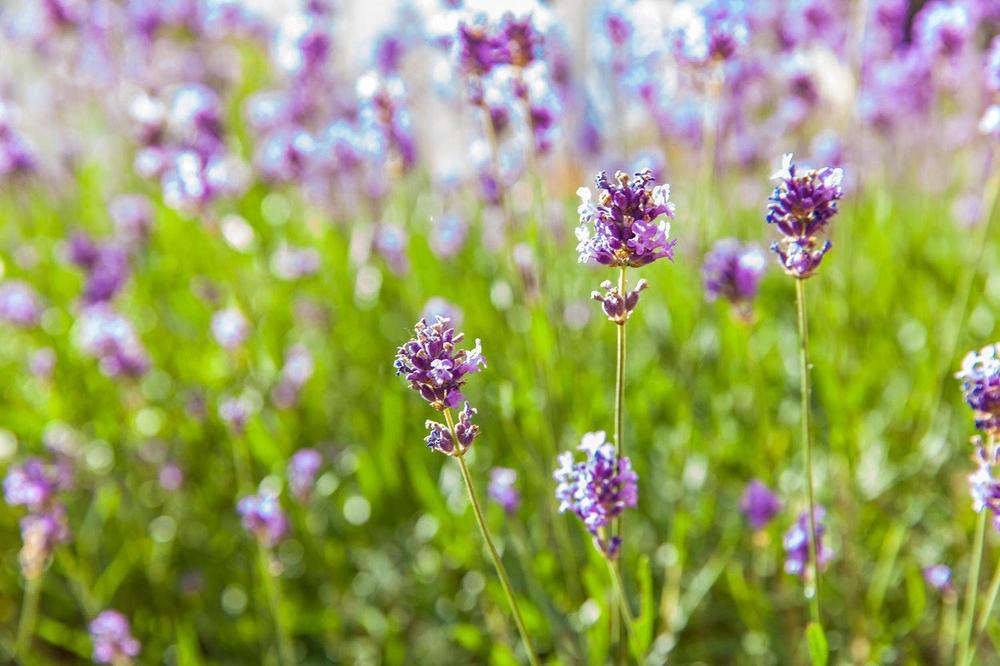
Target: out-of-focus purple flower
(292,263)
(261,515)
(733,271)
(15,155)
(108,336)
(980,378)
(943,28)
(801,206)
(796,543)
(440,308)
(41,531)
(938,576)
(106,275)
(235,412)
(503,489)
(759,504)
(617,307)
(171,477)
(983,484)
(33,483)
(715,33)
(388,53)
(434,367)
(132,215)
(522,40)
(989,124)
(296,371)
(390,242)
(480,49)
(439,438)
(112,637)
(625,221)
(993,66)
(448,236)
(302,470)
(42,363)
(19,303)
(230,328)
(598,489)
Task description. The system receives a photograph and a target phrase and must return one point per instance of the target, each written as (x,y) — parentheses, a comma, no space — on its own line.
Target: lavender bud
(616,308)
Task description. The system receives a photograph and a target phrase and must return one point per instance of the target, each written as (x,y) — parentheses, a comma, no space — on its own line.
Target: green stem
(800,293)
(620,348)
(29,611)
(984,616)
(286,653)
(971,590)
(616,580)
(497,562)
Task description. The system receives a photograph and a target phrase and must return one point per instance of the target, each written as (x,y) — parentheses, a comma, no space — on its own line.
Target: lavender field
(467,332)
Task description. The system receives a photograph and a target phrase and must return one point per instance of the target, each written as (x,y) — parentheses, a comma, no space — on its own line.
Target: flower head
(41,531)
(302,470)
(801,206)
(624,227)
(433,365)
(32,484)
(503,489)
(261,514)
(112,638)
(759,504)
(980,377)
(733,270)
(796,543)
(597,489)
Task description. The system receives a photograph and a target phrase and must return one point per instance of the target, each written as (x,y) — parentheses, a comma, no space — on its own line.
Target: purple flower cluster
(623,228)
(716,33)
(261,515)
(796,543)
(440,439)
(132,215)
(106,266)
(112,638)
(230,328)
(939,577)
(19,304)
(15,155)
(759,504)
(503,489)
(616,307)
(980,378)
(801,206)
(303,468)
(598,489)
(433,365)
(943,28)
(109,337)
(983,484)
(34,485)
(296,371)
(733,271)
(482,46)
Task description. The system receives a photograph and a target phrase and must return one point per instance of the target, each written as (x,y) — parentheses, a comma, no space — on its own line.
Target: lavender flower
(801,206)
(479,49)
(938,576)
(434,367)
(440,439)
(112,638)
(943,28)
(41,531)
(983,485)
(980,377)
(235,412)
(759,504)
(796,543)
(503,489)
(261,514)
(302,470)
(19,303)
(733,270)
(618,308)
(626,230)
(33,484)
(108,336)
(230,328)
(133,217)
(297,370)
(597,489)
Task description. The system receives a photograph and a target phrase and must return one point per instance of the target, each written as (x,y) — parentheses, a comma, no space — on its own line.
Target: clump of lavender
(303,468)
(261,515)
(759,504)
(598,489)
(503,489)
(980,379)
(112,638)
(799,544)
(436,369)
(801,206)
(109,337)
(433,365)
(624,227)
(19,304)
(732,270)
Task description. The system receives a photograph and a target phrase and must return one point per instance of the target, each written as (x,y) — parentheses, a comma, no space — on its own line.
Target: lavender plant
(801,207)
(437,369)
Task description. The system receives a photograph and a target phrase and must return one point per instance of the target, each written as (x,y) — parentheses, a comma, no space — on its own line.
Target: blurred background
(219,219)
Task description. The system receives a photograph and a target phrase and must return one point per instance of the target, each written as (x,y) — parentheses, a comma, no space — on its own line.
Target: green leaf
(819,653)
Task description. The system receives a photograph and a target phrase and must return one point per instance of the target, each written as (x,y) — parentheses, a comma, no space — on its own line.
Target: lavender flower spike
(113,640)
(983,484)
(597,489)
(733,271)
(262,515)
(623,228)
(980,377)
(801,206)
(434,367)
(302,470)
(796,543)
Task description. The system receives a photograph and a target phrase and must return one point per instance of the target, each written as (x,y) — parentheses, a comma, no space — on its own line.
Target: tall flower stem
(497,562)
(971,590)
(619,448)
(286,654)
(616,580)
(984,615)
(29,611)
(800,293)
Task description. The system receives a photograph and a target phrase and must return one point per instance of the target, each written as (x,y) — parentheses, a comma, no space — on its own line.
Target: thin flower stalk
(971,591)
(814,603)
